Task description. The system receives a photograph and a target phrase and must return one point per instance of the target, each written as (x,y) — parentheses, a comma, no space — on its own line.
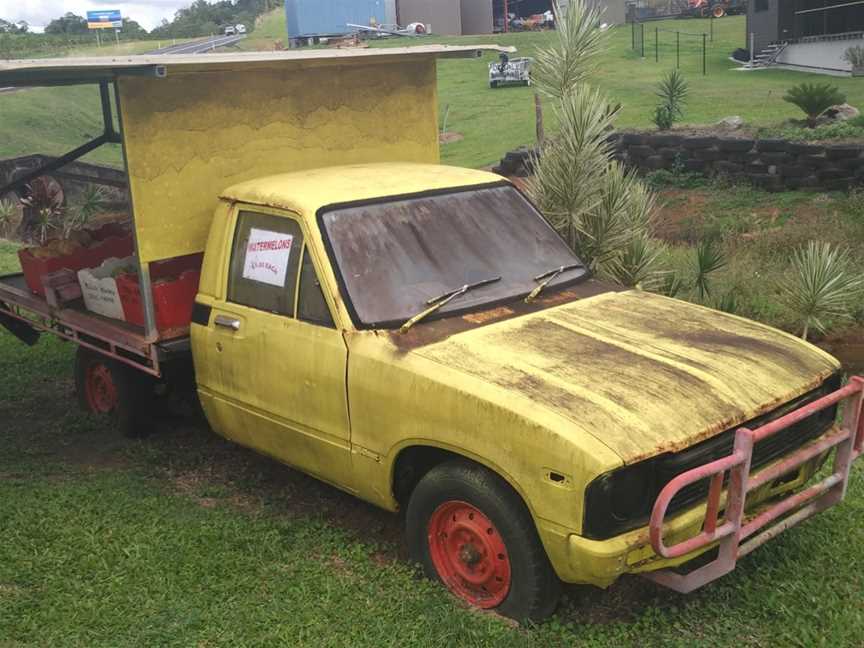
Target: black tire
(132,406)
(534,587)
(493,84)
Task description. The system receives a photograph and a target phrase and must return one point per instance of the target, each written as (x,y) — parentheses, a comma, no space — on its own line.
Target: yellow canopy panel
(193,125)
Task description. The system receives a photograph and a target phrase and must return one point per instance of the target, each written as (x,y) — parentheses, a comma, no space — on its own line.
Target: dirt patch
(679,211)
(849,349)
(450,137)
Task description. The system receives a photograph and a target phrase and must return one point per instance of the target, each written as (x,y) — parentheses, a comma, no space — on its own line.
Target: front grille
(764,452)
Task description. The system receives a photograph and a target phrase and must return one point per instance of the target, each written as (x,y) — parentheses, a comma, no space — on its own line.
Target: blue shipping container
(321,17)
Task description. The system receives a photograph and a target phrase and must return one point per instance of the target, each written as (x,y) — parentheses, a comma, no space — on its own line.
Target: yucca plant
(558,69)
(672,91)
(822,287)
(814,99)
(85,209)
(602,211)
(709,259)
(669,283)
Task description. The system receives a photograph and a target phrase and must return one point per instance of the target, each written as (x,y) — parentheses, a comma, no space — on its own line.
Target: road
(198,47)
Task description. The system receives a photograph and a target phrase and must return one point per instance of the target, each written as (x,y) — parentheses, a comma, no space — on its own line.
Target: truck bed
(122,341)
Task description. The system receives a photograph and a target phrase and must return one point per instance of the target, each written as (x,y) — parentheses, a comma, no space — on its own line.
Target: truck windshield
(395,255)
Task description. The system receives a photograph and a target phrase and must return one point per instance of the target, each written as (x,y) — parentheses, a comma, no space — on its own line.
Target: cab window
(265,260)
(311,305)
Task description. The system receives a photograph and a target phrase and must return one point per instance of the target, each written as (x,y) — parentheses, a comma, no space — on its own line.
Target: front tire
(471,531)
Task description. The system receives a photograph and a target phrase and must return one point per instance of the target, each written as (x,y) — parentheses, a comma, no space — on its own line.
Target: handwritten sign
(267,257)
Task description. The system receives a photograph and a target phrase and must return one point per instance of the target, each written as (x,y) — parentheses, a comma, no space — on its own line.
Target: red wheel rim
(100,389)
(469,554)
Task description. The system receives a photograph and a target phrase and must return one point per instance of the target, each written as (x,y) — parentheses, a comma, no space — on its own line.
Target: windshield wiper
(442,300)
(549,276)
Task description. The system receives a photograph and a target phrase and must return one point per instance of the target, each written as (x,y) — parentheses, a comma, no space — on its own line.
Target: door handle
(227,322)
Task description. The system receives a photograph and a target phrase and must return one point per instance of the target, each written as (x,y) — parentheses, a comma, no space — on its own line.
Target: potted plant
(855,56)
(60,236)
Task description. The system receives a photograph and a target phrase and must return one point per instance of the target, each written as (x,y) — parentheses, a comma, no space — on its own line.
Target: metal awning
(75,71)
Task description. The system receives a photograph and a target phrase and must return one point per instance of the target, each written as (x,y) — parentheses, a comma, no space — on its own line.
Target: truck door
(271,364)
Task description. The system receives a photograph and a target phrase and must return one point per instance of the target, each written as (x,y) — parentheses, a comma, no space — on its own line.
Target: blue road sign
(104,19)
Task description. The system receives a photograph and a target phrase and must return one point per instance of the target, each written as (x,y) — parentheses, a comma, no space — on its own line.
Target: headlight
(620,500)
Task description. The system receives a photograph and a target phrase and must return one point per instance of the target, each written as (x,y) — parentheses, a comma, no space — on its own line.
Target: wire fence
(689,50)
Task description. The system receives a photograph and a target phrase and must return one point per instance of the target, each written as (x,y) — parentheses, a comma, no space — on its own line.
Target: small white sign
(267,257)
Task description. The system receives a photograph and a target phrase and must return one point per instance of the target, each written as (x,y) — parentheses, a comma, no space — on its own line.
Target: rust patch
(487,316)
(437,330)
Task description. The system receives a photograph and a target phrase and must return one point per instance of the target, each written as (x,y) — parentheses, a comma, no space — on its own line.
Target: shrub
(814,99)
(851,129)
(672,91)
(822,288)
(855,56)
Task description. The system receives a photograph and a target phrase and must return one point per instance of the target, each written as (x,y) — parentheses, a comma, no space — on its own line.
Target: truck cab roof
(305,192)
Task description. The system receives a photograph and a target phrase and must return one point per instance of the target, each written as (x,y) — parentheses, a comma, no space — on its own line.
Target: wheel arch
(413,458)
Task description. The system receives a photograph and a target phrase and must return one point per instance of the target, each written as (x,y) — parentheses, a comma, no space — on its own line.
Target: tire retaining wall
(771,164)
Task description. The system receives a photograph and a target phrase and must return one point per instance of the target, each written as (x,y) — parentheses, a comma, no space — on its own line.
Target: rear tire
(470,530)
(106,387)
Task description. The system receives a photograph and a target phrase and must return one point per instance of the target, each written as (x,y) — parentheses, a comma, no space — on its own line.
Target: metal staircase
(768,56)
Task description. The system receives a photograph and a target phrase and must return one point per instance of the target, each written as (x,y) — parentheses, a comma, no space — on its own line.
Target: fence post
(704,56)
(677,49)
(656,44)
(643,39)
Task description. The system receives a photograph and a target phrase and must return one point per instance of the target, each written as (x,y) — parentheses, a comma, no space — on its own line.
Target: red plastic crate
(175,284)
(112,240)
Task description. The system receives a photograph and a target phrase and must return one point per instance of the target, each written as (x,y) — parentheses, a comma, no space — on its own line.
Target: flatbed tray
(120,340)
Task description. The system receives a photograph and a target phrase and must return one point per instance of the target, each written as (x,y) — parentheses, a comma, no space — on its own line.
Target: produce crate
(111,240)
(175,284)
(99,287)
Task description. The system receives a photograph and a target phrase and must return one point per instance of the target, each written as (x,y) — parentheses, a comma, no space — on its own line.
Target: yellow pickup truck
(419,336)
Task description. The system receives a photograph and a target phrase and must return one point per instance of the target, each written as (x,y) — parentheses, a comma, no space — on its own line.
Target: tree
(8,27)
(131,29)
(67,25)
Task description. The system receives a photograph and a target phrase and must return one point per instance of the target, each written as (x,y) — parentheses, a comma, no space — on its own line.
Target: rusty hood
(642,373)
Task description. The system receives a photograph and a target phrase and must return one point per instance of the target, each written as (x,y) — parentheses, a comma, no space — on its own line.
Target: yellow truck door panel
(273,382)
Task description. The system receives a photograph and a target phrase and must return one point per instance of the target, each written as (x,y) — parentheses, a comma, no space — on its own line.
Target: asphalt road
(198,47)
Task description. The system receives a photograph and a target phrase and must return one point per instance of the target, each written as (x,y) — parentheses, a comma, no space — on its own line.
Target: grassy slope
(56,120)
(491,122)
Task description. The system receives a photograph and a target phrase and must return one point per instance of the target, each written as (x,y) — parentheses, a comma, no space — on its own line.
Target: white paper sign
(267,257)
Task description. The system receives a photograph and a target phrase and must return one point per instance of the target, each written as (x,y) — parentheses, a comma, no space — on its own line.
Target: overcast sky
(40,12)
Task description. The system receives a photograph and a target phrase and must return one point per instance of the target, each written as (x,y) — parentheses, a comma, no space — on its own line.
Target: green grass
(9,258)
(269,28)
(185,539)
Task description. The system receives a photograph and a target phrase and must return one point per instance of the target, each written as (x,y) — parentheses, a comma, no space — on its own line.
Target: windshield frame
(361,325)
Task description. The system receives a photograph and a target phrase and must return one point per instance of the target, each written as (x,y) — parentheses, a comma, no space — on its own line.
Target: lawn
(185,539)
